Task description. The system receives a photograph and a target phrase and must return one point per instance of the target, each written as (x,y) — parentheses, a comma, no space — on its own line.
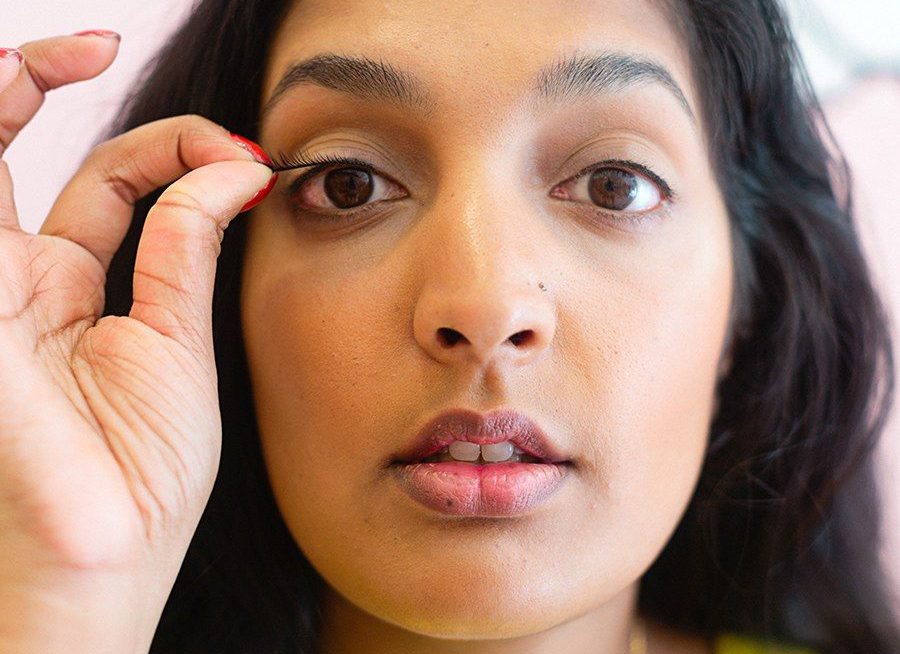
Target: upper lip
(494,427)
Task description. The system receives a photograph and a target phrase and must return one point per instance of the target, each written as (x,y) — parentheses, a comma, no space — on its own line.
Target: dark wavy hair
(781,537)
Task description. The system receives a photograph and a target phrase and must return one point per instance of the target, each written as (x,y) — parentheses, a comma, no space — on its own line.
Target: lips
(484,429)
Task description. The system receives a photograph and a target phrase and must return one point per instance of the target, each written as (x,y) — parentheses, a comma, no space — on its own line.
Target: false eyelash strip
(284,162)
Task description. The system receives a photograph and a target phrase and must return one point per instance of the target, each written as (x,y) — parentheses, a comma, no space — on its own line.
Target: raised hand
(110,431)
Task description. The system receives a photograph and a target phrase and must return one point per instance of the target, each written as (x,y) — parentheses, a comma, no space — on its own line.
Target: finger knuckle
(196,126)
(39,77)
(195,220)
(196,121)
(199,136)
(98,152)
(107,156)
(116,165)
(184,203)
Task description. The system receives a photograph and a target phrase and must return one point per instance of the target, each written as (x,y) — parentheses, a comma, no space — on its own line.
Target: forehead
(477,57)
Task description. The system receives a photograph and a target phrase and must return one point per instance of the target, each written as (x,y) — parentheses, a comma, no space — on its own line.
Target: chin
(483,609)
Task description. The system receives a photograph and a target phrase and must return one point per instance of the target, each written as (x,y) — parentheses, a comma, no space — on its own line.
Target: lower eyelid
(624,221)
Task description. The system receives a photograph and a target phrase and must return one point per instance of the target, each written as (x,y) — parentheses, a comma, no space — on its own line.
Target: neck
(603,629)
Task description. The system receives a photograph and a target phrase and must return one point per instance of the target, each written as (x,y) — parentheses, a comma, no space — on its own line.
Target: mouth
(466,464)
(463,435)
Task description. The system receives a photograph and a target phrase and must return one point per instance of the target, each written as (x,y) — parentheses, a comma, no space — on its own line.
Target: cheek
(656,333)
(317,368)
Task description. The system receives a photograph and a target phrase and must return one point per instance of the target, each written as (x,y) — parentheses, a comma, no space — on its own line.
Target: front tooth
(465,451)
(497,451)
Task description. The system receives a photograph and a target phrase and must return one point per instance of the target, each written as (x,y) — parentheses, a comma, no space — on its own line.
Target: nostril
(448,336)
(521,337)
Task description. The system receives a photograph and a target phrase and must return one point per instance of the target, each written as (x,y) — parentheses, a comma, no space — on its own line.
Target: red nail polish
(261,195)
(252,148)
(107,33)
(12,52)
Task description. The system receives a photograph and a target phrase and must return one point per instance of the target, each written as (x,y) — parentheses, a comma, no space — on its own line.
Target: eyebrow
(582,75)
(362,77)
(577,75)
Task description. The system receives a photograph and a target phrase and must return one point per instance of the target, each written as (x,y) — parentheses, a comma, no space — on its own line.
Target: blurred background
(851,49)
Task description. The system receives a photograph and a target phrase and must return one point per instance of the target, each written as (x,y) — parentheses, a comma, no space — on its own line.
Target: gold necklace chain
(637,640)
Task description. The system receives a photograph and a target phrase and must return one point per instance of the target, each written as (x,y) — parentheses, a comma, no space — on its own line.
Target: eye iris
(612,188)
(348,187)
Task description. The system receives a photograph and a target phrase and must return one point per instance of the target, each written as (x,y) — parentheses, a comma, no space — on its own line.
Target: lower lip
(489,490)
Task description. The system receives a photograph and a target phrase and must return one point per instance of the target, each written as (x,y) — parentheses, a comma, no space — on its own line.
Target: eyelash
(320,162)
(317,163)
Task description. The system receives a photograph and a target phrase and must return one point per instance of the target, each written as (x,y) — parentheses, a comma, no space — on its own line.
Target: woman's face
(476,222)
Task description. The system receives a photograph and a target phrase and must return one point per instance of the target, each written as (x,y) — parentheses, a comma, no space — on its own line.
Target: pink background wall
(836,38)
(864,120)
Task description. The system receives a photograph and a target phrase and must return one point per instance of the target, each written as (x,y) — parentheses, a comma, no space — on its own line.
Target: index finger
(95,208)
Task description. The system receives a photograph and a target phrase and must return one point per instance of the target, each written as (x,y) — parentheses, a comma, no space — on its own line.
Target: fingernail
(12,52)
(252,148)
(106,33)
(261,195)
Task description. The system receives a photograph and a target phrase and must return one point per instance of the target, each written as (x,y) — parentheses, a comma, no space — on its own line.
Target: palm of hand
(120,450)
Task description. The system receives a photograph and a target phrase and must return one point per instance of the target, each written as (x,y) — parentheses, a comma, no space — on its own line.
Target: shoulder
(729,643)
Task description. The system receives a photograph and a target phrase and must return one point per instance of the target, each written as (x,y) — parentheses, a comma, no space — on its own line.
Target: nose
(485,300)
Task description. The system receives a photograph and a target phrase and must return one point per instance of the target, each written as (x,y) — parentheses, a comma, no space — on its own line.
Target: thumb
(175,267)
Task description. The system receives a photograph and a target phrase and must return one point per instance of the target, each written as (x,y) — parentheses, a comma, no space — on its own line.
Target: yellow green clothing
(735,644)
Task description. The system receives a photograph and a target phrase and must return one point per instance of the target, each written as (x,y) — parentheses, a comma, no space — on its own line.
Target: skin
(341,323)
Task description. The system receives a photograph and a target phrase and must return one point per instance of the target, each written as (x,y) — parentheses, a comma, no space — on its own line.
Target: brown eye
(348,187)
(612,188)
(616,189)
(328,189)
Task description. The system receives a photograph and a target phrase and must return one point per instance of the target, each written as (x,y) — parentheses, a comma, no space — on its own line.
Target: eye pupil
(612,188)
(348,187)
